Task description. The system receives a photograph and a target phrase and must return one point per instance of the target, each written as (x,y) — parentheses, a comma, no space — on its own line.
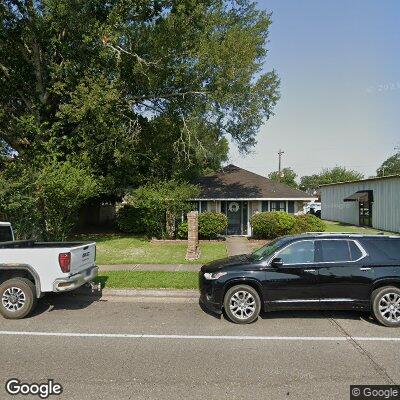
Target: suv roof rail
(334,234)
(354,234)
(331,233)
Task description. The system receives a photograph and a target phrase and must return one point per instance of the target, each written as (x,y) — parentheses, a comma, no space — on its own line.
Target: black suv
(308,272)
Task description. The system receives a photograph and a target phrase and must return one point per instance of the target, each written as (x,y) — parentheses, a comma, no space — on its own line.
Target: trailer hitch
(95,287)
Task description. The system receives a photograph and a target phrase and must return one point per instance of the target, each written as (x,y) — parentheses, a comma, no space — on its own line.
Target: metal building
(371,202)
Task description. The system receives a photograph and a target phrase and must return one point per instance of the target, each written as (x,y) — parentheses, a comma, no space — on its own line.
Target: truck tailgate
(82,257)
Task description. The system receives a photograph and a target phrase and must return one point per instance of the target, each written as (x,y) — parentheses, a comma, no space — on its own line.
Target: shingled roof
(233,182)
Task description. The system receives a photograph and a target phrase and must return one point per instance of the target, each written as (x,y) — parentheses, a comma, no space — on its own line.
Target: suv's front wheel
(242,304)
(386,305)
(17,298)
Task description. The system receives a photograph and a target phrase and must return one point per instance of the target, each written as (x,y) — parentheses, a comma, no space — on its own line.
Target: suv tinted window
(335,251)
(355,251)
(298,252)
(384,249)
(5,234)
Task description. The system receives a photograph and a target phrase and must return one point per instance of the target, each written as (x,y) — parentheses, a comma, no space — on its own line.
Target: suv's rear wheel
(17,298)
(242,304)
(386,305)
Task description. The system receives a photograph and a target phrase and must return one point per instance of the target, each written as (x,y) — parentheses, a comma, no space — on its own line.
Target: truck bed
(50,262)
(31,244)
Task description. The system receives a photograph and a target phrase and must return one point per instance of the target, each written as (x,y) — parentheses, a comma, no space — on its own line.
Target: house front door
(234,213)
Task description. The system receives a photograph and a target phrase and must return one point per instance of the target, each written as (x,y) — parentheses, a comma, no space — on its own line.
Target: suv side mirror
(277,263)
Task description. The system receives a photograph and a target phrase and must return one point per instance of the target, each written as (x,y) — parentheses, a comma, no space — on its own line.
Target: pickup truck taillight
(64,259)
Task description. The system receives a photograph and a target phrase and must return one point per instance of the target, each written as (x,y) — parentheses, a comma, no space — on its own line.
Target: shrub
(183,230)
(212,224)
(129,219)
(162,199)
(269,225)
(308,223)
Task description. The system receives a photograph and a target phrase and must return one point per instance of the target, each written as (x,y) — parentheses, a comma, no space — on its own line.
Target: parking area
(117,348)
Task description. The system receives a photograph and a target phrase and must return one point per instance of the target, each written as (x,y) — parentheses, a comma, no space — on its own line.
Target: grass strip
(148,280)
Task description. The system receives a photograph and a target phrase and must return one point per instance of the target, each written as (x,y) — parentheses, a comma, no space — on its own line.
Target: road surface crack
(357,346)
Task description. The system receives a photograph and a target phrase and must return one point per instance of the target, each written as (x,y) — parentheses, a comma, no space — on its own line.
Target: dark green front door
(237,213)
(234,214)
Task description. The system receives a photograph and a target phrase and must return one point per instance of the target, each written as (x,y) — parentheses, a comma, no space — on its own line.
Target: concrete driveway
(123,349)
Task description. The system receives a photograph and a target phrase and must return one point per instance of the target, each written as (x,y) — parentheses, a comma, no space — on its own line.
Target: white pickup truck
(29,269)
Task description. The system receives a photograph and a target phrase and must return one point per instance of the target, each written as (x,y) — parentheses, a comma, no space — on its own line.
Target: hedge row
(269,225)
(130,219)
(211,224)
(134,220)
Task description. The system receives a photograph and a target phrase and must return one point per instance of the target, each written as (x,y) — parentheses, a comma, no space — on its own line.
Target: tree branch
(169,95)
(23,98)
(37,57)
(119,50)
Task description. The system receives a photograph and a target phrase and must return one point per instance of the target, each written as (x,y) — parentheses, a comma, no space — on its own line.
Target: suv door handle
(309,270)
(365,269)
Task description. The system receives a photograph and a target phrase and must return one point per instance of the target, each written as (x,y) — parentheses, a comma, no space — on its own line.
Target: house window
(213,206)
(278,205)
(223,207)
(291,207)
(203,206)
(264,206)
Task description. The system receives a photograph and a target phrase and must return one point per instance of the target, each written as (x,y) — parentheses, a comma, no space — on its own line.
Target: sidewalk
(237,245)
(138,295)
(151,267)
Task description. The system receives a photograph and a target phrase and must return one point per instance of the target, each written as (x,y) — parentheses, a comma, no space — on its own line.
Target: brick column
(193,251)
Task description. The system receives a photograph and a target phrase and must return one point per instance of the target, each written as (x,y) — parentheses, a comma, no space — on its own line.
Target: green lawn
(149,279)
(119,249)
(340,227)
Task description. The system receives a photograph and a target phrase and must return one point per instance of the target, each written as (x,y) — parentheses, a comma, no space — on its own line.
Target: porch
(240,211)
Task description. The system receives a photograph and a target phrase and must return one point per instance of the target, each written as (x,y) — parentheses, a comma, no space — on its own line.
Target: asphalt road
(118,349)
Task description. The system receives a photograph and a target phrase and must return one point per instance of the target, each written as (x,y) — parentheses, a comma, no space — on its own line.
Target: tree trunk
(170,225)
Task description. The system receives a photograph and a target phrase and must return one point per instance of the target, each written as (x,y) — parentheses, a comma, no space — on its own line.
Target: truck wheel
(17,298)
(242,304)
(386,305)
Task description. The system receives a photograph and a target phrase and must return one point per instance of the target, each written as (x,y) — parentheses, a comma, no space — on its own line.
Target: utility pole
(280,153)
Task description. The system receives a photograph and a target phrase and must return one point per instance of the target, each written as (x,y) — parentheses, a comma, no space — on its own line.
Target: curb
(140,293)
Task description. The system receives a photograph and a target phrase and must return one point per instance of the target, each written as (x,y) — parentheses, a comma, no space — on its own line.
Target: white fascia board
(261,198)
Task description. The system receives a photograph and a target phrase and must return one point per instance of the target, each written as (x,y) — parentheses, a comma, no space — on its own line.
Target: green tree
(151,87)
(163,202)
(311,183)
(287,176)
(62,189)
(44,203)
(391,166)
